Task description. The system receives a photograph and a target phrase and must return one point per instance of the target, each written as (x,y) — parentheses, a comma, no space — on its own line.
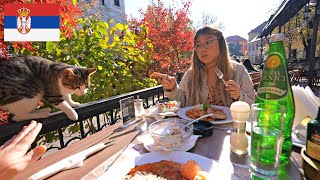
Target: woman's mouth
(204,56)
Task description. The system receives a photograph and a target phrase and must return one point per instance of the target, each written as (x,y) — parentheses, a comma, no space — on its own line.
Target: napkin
(312,96)
(125,159)
(70,162)
(306,103)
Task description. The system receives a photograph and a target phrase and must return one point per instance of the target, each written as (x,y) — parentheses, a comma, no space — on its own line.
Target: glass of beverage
(267,122)
(139,109)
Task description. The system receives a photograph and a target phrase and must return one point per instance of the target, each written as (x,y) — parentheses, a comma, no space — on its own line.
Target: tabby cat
(25,81)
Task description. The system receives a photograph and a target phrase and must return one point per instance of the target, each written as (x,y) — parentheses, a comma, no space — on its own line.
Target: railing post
(61,138)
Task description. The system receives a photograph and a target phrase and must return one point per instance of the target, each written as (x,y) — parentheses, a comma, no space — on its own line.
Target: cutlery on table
(70,162)
(193,121)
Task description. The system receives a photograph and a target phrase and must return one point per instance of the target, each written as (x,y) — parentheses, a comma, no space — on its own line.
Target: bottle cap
(240,111)
(277,37)
(240,106)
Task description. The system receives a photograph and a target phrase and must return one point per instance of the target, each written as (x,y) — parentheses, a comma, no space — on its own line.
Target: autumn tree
(171,35)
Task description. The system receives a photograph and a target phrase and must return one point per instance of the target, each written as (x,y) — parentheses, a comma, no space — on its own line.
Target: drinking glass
(139,109)
(266,139)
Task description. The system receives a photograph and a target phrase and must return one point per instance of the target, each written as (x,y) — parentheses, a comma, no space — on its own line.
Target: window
(294,54)
(117,2)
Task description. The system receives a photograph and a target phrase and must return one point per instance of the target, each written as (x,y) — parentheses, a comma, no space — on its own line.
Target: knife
(70,162)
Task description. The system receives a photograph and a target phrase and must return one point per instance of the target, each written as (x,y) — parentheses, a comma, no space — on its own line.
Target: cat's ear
(68,73)
(91,70)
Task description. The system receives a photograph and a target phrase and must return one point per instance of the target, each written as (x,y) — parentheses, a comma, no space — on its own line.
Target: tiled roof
(235,38)
(259,28)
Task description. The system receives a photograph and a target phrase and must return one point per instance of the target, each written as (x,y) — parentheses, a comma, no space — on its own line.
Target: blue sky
(238,16)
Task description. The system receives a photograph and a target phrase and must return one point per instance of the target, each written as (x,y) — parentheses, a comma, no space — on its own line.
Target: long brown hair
(198,68)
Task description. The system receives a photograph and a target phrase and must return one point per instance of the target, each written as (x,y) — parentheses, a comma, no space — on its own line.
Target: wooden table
(215,147)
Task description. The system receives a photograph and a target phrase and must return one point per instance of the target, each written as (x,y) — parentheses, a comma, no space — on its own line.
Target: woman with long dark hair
(200,84)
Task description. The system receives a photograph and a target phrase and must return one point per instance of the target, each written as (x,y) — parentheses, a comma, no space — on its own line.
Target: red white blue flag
(31,22)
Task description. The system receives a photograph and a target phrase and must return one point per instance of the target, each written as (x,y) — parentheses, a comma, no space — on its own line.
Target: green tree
(235,49)
(113,51)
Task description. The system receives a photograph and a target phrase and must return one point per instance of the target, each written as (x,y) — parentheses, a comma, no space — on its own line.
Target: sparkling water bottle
(275,88)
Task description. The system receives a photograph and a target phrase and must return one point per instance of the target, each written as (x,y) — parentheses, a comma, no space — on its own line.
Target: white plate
(182,114)
(216,170)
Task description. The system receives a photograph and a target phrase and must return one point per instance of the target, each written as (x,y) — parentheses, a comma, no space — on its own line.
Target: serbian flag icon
(31,22)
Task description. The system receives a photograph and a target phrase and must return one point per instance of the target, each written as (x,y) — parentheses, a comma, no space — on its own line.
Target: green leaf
(205,106)
(49,46)
(100,68)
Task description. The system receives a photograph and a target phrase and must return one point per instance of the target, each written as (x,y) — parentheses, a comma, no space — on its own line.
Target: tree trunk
(313,43)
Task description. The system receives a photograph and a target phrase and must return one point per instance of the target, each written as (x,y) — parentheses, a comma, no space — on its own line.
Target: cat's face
(77,79)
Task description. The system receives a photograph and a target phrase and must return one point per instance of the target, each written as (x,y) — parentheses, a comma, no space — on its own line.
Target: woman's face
(207,48)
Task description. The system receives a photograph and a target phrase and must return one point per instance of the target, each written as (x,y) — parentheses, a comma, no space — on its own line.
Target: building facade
(109,9)
(235,41)
(255,46)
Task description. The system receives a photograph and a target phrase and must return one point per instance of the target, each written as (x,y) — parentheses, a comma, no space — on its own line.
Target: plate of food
(172,165)
(221,114)
(168,106)
(165,107)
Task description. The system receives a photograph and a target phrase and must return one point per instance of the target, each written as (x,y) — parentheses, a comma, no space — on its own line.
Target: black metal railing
(93,117)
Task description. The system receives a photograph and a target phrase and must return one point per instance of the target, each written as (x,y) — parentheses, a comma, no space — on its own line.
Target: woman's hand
(168,82)
(233,89)
(13,153)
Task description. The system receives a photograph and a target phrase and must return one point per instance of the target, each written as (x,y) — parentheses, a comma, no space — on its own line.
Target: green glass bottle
(313,138)
(275,88)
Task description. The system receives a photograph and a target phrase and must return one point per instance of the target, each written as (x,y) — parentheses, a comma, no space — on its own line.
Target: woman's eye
(209,42)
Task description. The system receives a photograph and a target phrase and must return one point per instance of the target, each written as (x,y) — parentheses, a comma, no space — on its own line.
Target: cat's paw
(44,113)
(74,104)
(72,115)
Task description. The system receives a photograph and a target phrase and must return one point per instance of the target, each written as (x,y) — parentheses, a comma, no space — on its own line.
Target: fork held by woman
(219,73)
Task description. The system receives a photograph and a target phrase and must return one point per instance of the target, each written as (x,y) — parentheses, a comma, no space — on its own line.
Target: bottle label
(273,84)
(313,147)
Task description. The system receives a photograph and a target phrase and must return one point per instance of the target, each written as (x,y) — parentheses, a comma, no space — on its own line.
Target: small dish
(171,134)
(168,106)
(149,144)
(203,128)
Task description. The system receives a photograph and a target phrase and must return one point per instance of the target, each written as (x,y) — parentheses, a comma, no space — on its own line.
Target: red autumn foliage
(171,34)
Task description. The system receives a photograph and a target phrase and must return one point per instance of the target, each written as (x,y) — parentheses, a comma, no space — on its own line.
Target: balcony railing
(93,117)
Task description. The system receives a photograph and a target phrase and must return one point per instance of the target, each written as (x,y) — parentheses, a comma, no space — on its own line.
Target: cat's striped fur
(24,81)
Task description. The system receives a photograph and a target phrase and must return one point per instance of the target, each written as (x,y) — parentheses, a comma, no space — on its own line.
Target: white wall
(109,10)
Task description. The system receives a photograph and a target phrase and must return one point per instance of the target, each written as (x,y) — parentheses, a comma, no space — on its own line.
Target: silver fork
(219,73)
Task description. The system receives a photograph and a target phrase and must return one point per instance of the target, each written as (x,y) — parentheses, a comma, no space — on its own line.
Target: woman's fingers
(17,138)
(168,82)
(157,75)
(28,137)
(233,88)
